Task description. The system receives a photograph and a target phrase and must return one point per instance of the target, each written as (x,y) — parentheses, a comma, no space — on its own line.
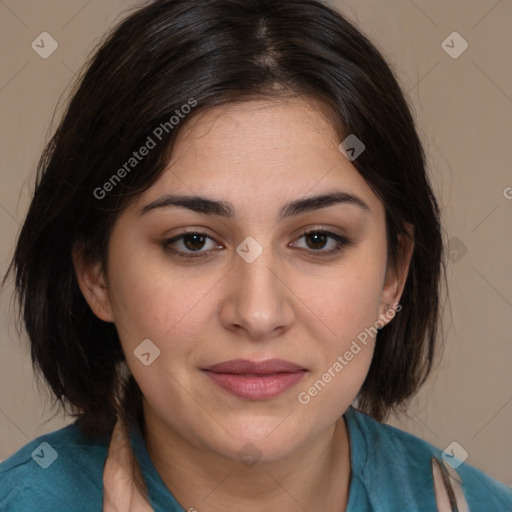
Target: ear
(92,282)
(396,278)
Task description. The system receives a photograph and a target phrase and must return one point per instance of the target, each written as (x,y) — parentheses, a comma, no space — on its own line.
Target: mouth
(254,380)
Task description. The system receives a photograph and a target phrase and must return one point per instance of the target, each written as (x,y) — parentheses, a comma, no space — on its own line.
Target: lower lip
(256,387)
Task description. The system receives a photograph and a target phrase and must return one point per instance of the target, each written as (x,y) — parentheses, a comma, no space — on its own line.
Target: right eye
(190,244)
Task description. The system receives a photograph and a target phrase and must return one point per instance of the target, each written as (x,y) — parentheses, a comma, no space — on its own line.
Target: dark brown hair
(214,52)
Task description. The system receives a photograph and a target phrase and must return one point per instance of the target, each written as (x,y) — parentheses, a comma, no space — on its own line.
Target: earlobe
(92,283)
(396,277)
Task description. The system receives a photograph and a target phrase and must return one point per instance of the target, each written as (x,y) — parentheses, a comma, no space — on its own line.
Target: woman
(233,241)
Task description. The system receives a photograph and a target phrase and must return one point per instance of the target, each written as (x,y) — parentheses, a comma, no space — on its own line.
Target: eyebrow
(204,205)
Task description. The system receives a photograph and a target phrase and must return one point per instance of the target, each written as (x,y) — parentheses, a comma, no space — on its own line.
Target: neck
(315,477)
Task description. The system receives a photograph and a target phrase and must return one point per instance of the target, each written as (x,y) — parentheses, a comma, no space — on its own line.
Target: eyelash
(342,243)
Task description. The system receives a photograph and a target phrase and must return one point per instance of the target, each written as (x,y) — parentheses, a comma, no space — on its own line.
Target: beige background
(464,109)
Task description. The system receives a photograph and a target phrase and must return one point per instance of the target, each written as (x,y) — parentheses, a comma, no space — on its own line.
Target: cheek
(345,340)
(342,315)
(152,299)
(341,304)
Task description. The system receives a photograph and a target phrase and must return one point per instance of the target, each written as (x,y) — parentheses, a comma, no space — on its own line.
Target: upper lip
(245,366)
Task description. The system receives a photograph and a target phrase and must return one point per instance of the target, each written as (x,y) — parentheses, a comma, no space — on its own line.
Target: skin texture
(290,303)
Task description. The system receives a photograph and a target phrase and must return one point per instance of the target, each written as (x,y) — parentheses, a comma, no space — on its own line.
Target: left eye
(316,241)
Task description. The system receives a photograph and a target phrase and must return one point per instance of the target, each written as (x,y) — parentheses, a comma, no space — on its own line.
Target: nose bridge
(260,301)
(258,287)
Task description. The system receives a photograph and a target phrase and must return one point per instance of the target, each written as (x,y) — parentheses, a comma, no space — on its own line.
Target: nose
(258,301)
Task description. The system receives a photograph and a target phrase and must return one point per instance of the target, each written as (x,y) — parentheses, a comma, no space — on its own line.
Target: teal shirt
(391,472)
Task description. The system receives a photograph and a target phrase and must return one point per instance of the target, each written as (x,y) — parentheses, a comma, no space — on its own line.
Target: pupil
(319,239)
(197,240)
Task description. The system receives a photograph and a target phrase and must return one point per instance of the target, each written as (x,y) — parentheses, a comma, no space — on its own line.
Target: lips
(244,366)
(255,380)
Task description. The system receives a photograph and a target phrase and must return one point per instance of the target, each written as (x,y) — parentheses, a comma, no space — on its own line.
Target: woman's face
(253,286)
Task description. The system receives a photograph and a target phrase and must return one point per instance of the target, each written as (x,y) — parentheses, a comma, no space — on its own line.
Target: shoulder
(60,471)
(392,456)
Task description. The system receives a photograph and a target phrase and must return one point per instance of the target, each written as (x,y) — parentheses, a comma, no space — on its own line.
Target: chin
(266,441)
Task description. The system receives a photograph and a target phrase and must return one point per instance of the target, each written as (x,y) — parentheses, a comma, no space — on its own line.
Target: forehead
(259,152)
(258,132)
